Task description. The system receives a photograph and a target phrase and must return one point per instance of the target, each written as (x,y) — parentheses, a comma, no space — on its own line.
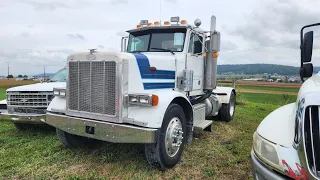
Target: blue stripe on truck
(144,68)
(158,85)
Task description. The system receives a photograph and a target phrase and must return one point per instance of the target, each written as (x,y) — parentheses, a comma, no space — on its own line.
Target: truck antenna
(160,12)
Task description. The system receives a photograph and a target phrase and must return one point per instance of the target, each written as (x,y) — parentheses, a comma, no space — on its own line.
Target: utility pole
(44,73)
(8,69)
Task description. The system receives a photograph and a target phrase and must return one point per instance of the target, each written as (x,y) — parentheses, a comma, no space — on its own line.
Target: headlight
(266,151)
(143,99)
(59,92)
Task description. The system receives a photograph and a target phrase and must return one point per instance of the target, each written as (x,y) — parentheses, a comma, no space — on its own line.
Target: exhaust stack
(213,46)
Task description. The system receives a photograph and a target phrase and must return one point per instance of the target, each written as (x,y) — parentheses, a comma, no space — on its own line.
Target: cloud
(30,26)
(76,36)
(50,6)
(25,34)
(121,34)
(115,2)
(100,46)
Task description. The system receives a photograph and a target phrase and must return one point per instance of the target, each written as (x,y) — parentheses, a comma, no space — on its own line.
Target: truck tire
(72,141)
(227,111)
(22,126)
(166,152)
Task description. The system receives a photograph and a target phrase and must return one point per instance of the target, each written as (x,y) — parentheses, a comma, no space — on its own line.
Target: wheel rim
(174,137)
(232,103)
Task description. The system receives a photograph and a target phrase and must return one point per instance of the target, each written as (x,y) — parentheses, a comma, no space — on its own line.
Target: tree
(25,76)
(10,76)
(19,76)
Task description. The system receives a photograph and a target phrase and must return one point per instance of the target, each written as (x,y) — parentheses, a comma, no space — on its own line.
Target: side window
(195,44)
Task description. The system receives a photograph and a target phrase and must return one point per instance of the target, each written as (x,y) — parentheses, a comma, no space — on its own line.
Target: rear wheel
(227,110)
(73,141)
(166,152)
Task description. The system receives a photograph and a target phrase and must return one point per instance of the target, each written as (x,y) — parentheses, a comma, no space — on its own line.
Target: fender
(224,98)
(58,104)
(153,116)
(278,126)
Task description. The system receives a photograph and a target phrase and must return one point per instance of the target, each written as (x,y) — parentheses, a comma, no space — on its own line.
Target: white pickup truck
(26,105)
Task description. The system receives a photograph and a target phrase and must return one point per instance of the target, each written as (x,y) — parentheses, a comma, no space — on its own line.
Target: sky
(38,34)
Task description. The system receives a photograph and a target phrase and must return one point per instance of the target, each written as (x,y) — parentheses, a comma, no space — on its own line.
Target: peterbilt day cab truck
(286,144)
(26,105)
(156,91)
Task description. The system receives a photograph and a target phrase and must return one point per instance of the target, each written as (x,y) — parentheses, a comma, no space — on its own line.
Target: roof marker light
(149,24)
(166,22)
(183,21)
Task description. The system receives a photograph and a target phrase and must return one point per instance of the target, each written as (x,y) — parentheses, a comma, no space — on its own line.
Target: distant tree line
(260,69)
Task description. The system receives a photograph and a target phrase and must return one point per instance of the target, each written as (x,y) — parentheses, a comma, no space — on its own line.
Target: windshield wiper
(165,50)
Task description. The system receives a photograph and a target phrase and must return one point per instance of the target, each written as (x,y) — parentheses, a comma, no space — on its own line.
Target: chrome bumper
(261,172)
(105,131)
(23,118)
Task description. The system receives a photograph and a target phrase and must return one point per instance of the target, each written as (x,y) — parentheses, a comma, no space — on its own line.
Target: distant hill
(252,69)
(47,75)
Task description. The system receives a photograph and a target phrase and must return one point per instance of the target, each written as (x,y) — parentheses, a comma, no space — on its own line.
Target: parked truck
(287,142)
(26,105)
(156,91)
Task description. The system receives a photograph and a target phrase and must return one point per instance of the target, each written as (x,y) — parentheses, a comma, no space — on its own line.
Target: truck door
(195,60)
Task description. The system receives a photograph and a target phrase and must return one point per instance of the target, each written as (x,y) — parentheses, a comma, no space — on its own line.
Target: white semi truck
(156,91)
(26,105)
(286,144)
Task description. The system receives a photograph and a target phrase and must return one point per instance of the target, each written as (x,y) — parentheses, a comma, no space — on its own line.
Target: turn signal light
(155,100)
(215,54)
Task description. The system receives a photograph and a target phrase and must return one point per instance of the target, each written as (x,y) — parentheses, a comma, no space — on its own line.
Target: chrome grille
(28,102)
(92,87)
(312,139)
(29,99)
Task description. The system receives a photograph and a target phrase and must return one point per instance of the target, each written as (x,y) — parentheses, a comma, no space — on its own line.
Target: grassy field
(223,153)
(4,83)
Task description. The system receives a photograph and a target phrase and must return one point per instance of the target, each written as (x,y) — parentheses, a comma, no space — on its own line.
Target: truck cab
(26,105)
(156,91)
(286,144)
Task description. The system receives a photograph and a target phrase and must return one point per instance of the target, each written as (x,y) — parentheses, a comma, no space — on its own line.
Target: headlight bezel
(258,143)
(60,92)
(142,99)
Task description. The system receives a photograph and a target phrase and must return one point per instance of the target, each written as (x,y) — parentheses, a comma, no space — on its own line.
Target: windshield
(60,76)
(156,40)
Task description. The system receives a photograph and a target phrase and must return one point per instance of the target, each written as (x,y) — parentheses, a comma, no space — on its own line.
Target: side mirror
(306,70)
(307,47)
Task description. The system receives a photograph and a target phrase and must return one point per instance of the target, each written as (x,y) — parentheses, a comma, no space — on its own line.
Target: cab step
(199,117)
(203,125)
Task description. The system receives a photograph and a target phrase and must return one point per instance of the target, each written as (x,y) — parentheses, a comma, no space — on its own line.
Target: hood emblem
(24,100)
(91,56)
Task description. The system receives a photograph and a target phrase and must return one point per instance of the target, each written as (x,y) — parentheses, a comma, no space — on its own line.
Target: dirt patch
(264,91)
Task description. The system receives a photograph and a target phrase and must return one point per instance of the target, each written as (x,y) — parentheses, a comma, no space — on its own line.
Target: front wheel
(166,152)
(227,111)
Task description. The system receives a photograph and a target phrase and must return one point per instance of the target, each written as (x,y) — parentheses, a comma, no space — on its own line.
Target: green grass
(2,94)
(269,88)
(223,153)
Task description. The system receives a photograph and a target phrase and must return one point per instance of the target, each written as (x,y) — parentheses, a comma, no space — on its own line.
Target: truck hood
(47,86)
